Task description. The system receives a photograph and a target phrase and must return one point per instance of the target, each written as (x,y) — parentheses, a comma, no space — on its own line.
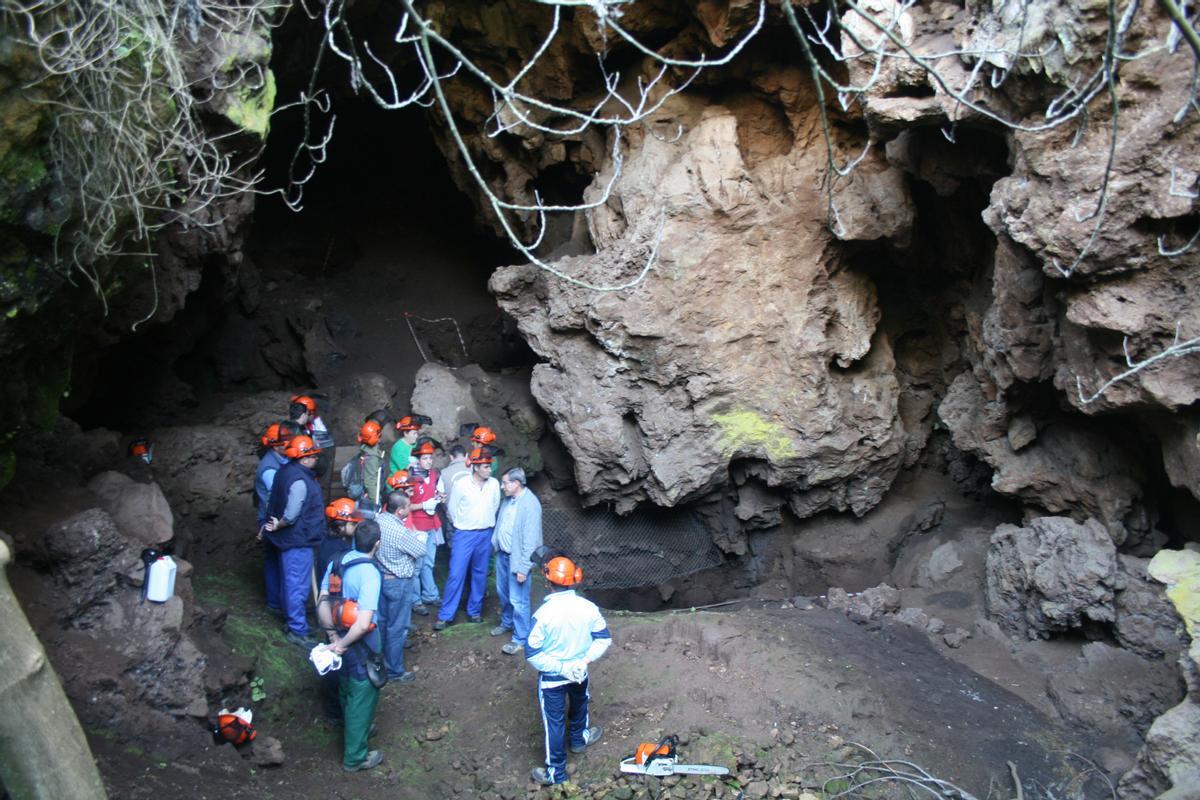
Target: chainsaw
(658,760)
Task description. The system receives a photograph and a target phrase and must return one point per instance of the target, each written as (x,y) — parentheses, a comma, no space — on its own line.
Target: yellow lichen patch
(251,109)
(746,430)
(1180,571)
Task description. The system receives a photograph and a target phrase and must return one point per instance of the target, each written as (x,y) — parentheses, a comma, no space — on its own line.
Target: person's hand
(272,524)
(575,671)
(429,506)
(521,576)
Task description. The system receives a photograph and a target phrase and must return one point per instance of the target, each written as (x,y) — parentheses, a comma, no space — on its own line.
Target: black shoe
(440,625)
(305,642)
(590,737)
(475,619)
(421,610)
(407,677)
(409,644)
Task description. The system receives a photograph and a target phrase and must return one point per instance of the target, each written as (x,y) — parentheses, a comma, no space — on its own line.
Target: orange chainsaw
(658,760)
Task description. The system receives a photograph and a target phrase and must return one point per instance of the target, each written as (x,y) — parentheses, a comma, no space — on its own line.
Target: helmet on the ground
(343,510)
(234,727)
(413,422)
(562,571)
(368,434)
(400,479)
(425,446)
(278,433)
(301,447)
(345,614)
(306,401)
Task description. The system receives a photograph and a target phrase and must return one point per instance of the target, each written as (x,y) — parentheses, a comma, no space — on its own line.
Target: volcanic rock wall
(762,339)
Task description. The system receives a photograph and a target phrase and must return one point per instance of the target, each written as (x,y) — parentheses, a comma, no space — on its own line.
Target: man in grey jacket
(518,533)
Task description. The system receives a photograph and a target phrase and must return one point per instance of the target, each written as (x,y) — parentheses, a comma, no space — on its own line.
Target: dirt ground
(778,693)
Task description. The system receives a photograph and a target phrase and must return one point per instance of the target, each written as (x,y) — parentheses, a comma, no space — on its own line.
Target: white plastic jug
(160,584)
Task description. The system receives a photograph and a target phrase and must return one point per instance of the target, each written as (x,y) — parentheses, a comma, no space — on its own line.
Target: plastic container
(160,580)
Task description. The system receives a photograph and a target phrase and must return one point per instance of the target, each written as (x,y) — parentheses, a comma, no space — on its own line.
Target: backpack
(352,477)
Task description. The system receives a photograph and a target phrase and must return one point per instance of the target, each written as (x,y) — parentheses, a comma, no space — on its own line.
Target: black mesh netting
(643,549)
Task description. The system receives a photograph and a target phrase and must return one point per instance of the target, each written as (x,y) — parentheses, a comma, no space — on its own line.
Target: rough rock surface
(1169,764)
(140,510)
(870,603)
(203,467)
(1146,622)
(120,657)
(453,397)
(1051,576)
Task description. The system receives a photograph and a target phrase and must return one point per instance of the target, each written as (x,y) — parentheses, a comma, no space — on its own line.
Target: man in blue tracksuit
(296,525)
(568,633)
(274,439)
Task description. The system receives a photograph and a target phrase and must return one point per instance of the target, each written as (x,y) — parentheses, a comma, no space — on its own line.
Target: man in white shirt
(568,634)
(472,507)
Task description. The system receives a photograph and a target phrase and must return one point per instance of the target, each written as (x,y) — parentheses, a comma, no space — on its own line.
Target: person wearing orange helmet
(428,492)
(302,410)
(342,517)
(274,440)
(568,633)
(371,453)
(296,525)
(409,429)
(361,583)
(472,511)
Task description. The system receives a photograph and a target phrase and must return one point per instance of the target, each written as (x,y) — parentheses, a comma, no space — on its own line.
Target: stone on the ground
(1053,575)
(1146,622)
(140,510)
(870,603)
(267,752)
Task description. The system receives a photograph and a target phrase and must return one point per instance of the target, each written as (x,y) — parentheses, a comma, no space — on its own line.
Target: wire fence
(643,549)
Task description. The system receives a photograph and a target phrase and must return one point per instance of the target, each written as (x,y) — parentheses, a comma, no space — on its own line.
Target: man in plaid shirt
(401,549)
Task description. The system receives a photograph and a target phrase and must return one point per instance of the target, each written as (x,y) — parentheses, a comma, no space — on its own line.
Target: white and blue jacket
(565,628)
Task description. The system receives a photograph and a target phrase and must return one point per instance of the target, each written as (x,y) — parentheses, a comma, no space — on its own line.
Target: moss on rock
(250,107)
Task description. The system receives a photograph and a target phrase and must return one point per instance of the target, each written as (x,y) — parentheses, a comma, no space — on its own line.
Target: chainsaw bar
(661,767)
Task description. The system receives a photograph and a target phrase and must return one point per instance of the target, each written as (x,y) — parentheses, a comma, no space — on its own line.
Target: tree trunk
(43,752)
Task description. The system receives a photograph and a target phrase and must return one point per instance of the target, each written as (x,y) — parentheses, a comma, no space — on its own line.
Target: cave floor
(778,694)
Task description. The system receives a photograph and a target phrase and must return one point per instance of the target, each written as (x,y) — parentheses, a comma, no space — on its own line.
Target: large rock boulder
(1051,576)
(203,468)
(1146,621)
(123,660)
(140,510)
(655,391)
(501,401)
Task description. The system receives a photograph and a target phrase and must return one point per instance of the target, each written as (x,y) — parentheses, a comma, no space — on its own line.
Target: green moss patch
(250,108)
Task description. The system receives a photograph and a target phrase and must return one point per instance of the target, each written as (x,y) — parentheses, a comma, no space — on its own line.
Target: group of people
(375,551)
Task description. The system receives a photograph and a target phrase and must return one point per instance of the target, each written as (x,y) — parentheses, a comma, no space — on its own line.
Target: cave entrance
(393,247)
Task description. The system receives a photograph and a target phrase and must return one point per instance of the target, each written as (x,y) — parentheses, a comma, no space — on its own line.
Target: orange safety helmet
(400,480)
(343,510)
(425,447)
(483,435)
(234,727)
(305,401)
(485,454)
(141,448)
(345,614)
(369,433)
(301,447)
(562,571)
(412,422)
(278,433)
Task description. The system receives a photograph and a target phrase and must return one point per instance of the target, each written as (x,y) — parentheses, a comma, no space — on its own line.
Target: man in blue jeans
(518,533)
(472,510)
(401,549)
(296,525)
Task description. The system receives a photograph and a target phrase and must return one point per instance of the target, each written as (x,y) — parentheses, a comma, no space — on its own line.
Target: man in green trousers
(347,608)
